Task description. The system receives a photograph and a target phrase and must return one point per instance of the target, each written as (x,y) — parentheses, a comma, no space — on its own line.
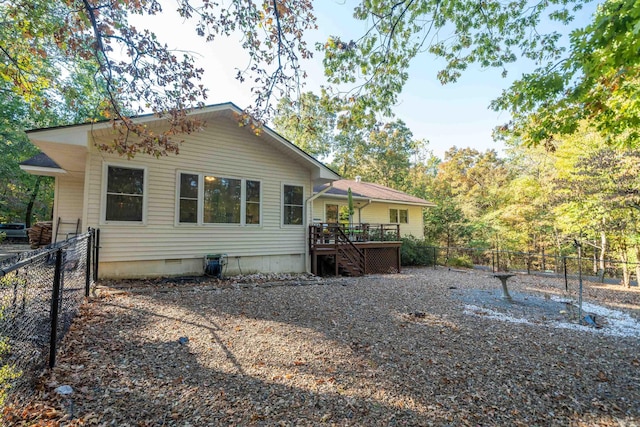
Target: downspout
(360,210)
(307,262)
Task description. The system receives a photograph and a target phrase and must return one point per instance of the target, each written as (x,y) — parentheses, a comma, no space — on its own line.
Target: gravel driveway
(427,347)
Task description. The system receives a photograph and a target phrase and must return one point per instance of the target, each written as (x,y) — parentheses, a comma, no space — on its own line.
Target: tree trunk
(32,200)
(626,280)
(603,251)
(637,247)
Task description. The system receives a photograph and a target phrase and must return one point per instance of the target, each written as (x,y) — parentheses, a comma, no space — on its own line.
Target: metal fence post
(96,258)
(87,278)
(435,258)
(55,300)
(566,280)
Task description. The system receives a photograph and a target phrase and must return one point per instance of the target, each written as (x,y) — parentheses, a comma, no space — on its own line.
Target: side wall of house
(161,246)
(68,206)
(375,213)
(378,213)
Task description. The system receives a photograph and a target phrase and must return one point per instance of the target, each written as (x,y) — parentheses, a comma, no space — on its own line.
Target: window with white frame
(222,200)
(218,200)
(252,202)
(293,204)
(124,199)
(398,216)
(188,193)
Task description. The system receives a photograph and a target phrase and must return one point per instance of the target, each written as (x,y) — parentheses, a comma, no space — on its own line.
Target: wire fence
(530,263)
(40,293)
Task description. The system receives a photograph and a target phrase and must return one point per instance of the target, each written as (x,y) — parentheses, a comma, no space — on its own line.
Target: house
(232,194)
(229,191)
(373,204)
(369,241)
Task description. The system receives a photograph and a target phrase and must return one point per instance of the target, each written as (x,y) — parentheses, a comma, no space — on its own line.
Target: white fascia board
(400,202)
(39,170)
(345,197)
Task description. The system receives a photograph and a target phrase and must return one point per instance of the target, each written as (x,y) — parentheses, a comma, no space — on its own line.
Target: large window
(222,198)
(210,199)
(125,194)
(398,216)
(293,204)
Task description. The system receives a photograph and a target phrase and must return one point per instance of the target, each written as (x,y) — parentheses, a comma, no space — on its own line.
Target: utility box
(214,264)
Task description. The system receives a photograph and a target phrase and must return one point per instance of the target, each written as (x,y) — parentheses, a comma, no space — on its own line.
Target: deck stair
(350,259)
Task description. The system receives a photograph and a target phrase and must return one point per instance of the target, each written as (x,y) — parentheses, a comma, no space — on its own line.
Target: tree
(388,156)
(596,81)
(132,72)
(595,76)
(445,224)
(578,73)
(307,123)
(23,197)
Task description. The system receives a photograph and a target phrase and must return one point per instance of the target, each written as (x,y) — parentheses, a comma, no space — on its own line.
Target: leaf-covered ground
(426,347)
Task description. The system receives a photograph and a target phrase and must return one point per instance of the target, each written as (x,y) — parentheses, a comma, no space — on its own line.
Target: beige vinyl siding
(319,208)
(222,149)
(379,213)
(68,205)
(376,213)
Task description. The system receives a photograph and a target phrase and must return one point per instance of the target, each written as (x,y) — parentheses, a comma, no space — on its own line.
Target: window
(398,216)
(252,202)
(222,198)
(331,213)
(404,216)
(293,204)
(209,199)
(189,197)
(125,194)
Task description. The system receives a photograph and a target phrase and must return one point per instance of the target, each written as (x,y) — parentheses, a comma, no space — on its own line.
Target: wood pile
(40,234)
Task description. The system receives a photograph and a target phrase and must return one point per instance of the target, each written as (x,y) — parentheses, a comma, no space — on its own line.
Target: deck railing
(325,233)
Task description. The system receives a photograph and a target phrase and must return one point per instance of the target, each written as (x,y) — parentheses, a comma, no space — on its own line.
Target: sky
(456,114)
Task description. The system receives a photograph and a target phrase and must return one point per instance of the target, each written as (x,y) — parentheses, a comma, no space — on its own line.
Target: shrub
(8,372)
(460,261)
(415,252)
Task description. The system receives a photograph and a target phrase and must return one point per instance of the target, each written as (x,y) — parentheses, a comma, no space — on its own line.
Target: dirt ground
(426,347)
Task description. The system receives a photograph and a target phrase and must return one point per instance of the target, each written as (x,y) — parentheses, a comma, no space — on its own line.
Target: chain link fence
(524,262)
(40,293)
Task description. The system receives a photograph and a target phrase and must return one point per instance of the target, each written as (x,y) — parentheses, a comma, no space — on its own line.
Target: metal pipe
(55,304)
(87,276)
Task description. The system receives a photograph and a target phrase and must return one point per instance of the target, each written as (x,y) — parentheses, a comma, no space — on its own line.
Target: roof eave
(402,202)
(76,135)
(43,171)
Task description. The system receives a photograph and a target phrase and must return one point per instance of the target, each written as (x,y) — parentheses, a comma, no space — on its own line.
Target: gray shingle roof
(40,160)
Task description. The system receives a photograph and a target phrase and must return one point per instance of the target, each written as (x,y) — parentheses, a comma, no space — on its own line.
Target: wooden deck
(361,249)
